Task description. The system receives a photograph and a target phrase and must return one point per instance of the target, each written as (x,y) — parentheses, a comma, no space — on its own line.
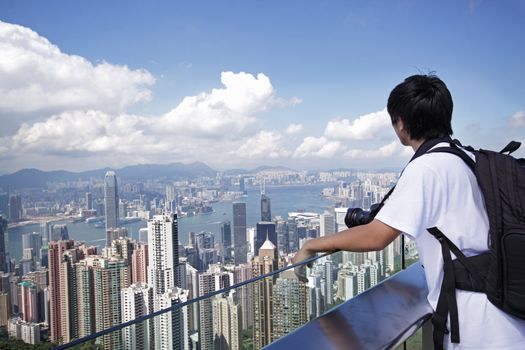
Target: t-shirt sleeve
(414,204)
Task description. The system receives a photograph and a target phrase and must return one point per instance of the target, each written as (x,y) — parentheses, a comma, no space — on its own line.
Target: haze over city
(240,84)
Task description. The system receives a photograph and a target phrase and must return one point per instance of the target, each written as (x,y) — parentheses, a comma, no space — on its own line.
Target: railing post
(427,340)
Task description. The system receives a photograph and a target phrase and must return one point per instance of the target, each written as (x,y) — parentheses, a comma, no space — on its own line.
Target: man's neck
(415,144)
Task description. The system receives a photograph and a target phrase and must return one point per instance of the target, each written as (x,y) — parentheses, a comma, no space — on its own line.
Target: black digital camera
(357,216)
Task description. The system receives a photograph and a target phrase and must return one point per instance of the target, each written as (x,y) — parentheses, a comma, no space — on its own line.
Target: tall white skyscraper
(171,328)
(111,200)
(137,300)
(163,240)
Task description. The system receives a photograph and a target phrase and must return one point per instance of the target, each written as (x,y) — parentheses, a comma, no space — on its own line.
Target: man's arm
(371,237)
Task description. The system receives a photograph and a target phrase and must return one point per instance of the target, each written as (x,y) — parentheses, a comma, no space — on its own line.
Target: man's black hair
(424,104)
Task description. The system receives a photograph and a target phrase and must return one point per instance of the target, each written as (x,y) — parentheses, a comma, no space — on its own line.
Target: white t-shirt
(439,190)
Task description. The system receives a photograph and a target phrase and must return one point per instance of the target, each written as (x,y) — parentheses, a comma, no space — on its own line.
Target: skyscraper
(56,292)
(226,240)
(114,233)
(111,200)
(139,263)
(89,201)
(243,295)
(327,224)
(226,323)
(59,233)
(206,286)
(171,328)
(109,278)
(242,185)
(239,233)
(266,210)
(15,208)
(163,242)
(29,301)
(264,231)
(265,262)
(290,304)
(3,239)
(137,300)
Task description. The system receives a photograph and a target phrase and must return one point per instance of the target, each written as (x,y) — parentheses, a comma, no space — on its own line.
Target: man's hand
(303,254)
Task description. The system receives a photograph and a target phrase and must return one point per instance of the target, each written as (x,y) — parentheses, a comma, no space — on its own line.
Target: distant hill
(269,168)
(232,172)
(31,178)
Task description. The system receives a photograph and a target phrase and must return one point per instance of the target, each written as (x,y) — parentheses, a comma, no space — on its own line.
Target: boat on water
(94,219)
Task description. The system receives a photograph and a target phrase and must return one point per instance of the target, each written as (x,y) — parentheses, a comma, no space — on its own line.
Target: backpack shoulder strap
(458,152)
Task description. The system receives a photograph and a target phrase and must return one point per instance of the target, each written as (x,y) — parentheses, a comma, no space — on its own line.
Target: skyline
(236,85)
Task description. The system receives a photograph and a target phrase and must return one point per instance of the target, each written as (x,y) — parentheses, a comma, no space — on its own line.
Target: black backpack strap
(447,297)
(458,152)
(511,147)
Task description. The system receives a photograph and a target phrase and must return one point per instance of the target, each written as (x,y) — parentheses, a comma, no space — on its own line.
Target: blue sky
(245,83)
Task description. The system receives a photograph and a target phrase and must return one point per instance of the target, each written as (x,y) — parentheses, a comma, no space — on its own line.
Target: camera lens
(356,217)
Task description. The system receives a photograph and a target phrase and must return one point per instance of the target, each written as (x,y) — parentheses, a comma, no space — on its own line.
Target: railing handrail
(188,302)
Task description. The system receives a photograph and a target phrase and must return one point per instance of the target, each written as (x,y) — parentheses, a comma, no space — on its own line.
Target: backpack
(499,272)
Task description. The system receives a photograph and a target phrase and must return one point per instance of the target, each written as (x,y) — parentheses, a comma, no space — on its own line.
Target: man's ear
(399,125)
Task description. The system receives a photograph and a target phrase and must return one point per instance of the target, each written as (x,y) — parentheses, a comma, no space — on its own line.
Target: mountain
(268,168)
(31,178)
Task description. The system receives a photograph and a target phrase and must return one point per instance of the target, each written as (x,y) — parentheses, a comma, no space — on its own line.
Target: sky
(239,84)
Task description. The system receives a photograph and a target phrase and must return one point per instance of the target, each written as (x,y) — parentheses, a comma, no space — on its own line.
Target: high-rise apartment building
(86,295)
(290,304)
(163,253)
(59,292)
(239,233)
(29,302)
(114,233)
(227,323)
(4,308)
(111,200)
(137,300)
(171,328)
(244,294)
(139,263)
(206,285)
(110,276)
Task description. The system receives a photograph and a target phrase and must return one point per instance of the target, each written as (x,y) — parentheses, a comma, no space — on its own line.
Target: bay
(284,199)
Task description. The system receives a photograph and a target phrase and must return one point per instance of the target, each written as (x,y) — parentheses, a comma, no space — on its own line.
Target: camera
(357,216)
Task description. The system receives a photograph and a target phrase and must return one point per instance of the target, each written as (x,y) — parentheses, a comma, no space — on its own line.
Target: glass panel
(415,342)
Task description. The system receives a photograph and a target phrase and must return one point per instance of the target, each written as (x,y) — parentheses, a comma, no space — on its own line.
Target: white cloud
(89,132)
(223,112)
(518,119)
(318,147)
(221,116)
(265,144)
(293,129)
(364,127)
(392,149)
(35,75)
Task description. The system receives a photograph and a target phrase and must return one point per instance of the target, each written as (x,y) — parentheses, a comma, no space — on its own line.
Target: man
(434,190)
